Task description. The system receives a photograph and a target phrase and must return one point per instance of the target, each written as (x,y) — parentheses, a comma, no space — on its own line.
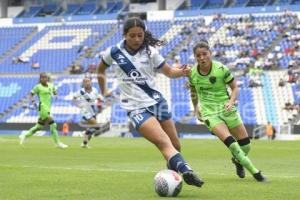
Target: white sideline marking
(8,139)
(80,169)
(129,170)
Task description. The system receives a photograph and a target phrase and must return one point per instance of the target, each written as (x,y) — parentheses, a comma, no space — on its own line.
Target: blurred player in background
(208,81)
(135,62)
(88,99)
(45,91)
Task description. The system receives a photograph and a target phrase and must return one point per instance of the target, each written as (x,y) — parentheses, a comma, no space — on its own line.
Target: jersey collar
(212,64)
(122,45)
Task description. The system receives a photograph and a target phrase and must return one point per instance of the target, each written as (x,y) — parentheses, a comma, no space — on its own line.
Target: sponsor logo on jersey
(135,77)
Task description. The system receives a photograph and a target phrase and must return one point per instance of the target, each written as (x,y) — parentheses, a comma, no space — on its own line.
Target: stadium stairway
(276,42)
(279,99)
(10,52)
(97,44)
(182,44)
(258,100)
(21,97)
(269,99)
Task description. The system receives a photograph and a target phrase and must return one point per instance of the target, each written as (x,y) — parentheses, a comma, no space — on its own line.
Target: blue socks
(178,164)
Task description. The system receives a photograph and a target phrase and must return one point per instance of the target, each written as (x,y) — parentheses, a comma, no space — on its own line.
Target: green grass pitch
(123,169)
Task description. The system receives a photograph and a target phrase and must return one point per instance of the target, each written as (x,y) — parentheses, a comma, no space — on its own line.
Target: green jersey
(211,88)
(44,93)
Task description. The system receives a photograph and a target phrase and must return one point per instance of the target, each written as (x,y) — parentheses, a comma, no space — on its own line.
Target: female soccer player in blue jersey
(208,81)
(135,62)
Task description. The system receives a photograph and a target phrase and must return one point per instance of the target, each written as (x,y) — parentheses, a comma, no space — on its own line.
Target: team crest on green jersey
(212,79)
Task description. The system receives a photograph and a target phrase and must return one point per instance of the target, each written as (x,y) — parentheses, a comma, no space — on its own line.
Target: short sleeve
(106,58)
(35,90)
(228,77)
(157,59)
(190,81)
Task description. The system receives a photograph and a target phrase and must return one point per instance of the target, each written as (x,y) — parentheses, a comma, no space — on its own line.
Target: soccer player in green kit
(45,90)
(212,103)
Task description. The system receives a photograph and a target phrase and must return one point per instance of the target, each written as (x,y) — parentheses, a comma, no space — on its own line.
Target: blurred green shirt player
(45,94)
(45,91)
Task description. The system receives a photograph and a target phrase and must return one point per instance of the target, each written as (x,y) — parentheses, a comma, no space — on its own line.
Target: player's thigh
(217,126)
(169,127)
(239,132)
(212,121)
(235,125)
(221,131)
(91,121)
(231,118)
(44,113)
(152,131)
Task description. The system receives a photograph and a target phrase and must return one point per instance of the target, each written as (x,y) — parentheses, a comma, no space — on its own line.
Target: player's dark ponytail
(149,40)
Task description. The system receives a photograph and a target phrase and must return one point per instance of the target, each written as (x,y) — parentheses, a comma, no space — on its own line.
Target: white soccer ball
(167,183)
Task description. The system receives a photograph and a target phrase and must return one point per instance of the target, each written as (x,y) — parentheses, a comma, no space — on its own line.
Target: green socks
(239,154)
(37,127)
(54,133)
(246,149)
(245,145)
(33,130)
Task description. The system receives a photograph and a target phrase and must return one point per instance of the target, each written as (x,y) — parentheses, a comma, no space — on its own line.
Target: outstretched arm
(175,72)
(194,99)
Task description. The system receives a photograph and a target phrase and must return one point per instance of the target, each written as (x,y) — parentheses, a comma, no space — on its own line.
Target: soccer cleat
(22,139)
(259,177)
(86,146)
(239,168)
(192,179)
(62,145)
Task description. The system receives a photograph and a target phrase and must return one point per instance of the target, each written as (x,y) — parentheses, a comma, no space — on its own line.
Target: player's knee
(41,122)
(245,144)
(89,131)
(229,141)
(244,141)
(52,125)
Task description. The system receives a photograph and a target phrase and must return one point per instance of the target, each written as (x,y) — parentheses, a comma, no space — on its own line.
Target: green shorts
(44,112)
(231,118)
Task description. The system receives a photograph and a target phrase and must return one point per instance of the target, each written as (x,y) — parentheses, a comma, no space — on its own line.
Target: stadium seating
(10,37)
(13,90)
(56,47)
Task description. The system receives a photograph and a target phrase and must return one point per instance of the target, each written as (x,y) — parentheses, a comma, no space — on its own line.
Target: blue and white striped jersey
(136,75)
(87,102)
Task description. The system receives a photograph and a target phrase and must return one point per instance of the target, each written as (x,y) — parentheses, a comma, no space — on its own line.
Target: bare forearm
(101,79)
(234,95)
(194,98)
(175,73)
(102,83)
